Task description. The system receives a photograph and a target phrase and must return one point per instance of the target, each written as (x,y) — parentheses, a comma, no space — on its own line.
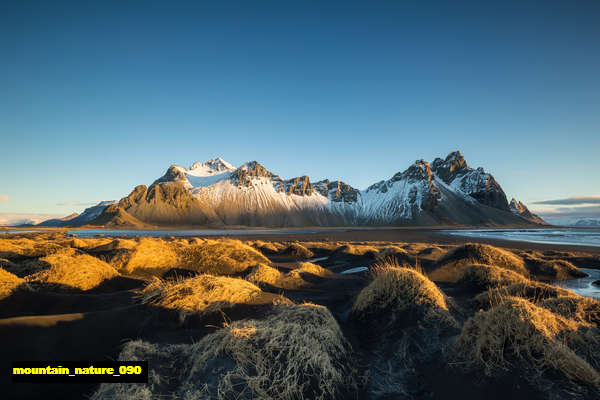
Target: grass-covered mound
(516,335)
(397,294)
(267,247)
(205,294)
(299,352)
(221,257)
(8,283)
(554,269)
(145,256)
(297,251)
(17,247)
(579,308)
(531,290)
(482,277)
(72,269)
(402,317)
(451,264)
(264,274)
(116,244)
(393,252)
(155,256)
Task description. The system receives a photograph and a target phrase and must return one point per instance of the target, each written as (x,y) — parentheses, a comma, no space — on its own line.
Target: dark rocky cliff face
(337,191)
(244,174)
(480,185)
(300,186)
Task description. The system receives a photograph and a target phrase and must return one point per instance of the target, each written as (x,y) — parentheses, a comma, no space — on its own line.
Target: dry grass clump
(402,291)
(579,308)
(263,274)
(299,352)
(531,290)
(392,251)
(431,253)
(481,277)
(73,269)
(8,283)
(27,247)
(359,249)
(519,331)
(204,294)
(559,269)
(267,247)
(146,256)
(117,244)
(475,253)
(298,251)
(222,257)
(321,245)
(313,269)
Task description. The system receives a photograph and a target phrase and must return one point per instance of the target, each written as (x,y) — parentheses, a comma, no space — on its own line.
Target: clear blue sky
(97,97)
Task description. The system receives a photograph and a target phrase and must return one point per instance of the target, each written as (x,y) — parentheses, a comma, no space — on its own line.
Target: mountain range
(214,193)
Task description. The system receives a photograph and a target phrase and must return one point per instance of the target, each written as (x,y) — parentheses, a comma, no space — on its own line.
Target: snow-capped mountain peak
(215,193)
(212,166)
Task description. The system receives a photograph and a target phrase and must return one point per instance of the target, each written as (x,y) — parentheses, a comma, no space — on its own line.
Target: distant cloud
(591,211)
(76,203)
(8,219)
(4,198)
(572,201)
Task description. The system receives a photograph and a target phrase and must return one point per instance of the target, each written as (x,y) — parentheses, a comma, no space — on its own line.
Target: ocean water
(569,236)
(583,286)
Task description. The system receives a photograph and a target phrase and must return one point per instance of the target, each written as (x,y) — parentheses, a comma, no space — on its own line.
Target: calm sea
(570,236)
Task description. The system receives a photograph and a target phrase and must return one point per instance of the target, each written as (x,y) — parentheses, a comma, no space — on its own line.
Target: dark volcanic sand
(95,324)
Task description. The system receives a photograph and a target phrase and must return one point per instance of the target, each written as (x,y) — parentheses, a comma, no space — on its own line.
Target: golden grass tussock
(117,244)
(313,269)
(264,274)
(298,251)
(25,247)
(481,277)
(267,247)
(359,249)
(222,257)
(475,253)
(531,290)
(579,308)
(205,294)
(559,269)
(298,352)
(516,330)
(392,251)
(147,256)
(321,245)
(73,269)
(8,283)
(400,290)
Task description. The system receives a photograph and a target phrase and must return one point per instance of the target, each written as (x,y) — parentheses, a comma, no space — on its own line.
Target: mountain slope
(75,219)
(520,209)
(215,193)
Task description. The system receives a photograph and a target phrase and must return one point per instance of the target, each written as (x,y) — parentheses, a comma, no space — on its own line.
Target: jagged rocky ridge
(521,209)
(215,193)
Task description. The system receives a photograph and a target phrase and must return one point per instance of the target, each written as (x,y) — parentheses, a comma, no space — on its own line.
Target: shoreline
(433,235)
